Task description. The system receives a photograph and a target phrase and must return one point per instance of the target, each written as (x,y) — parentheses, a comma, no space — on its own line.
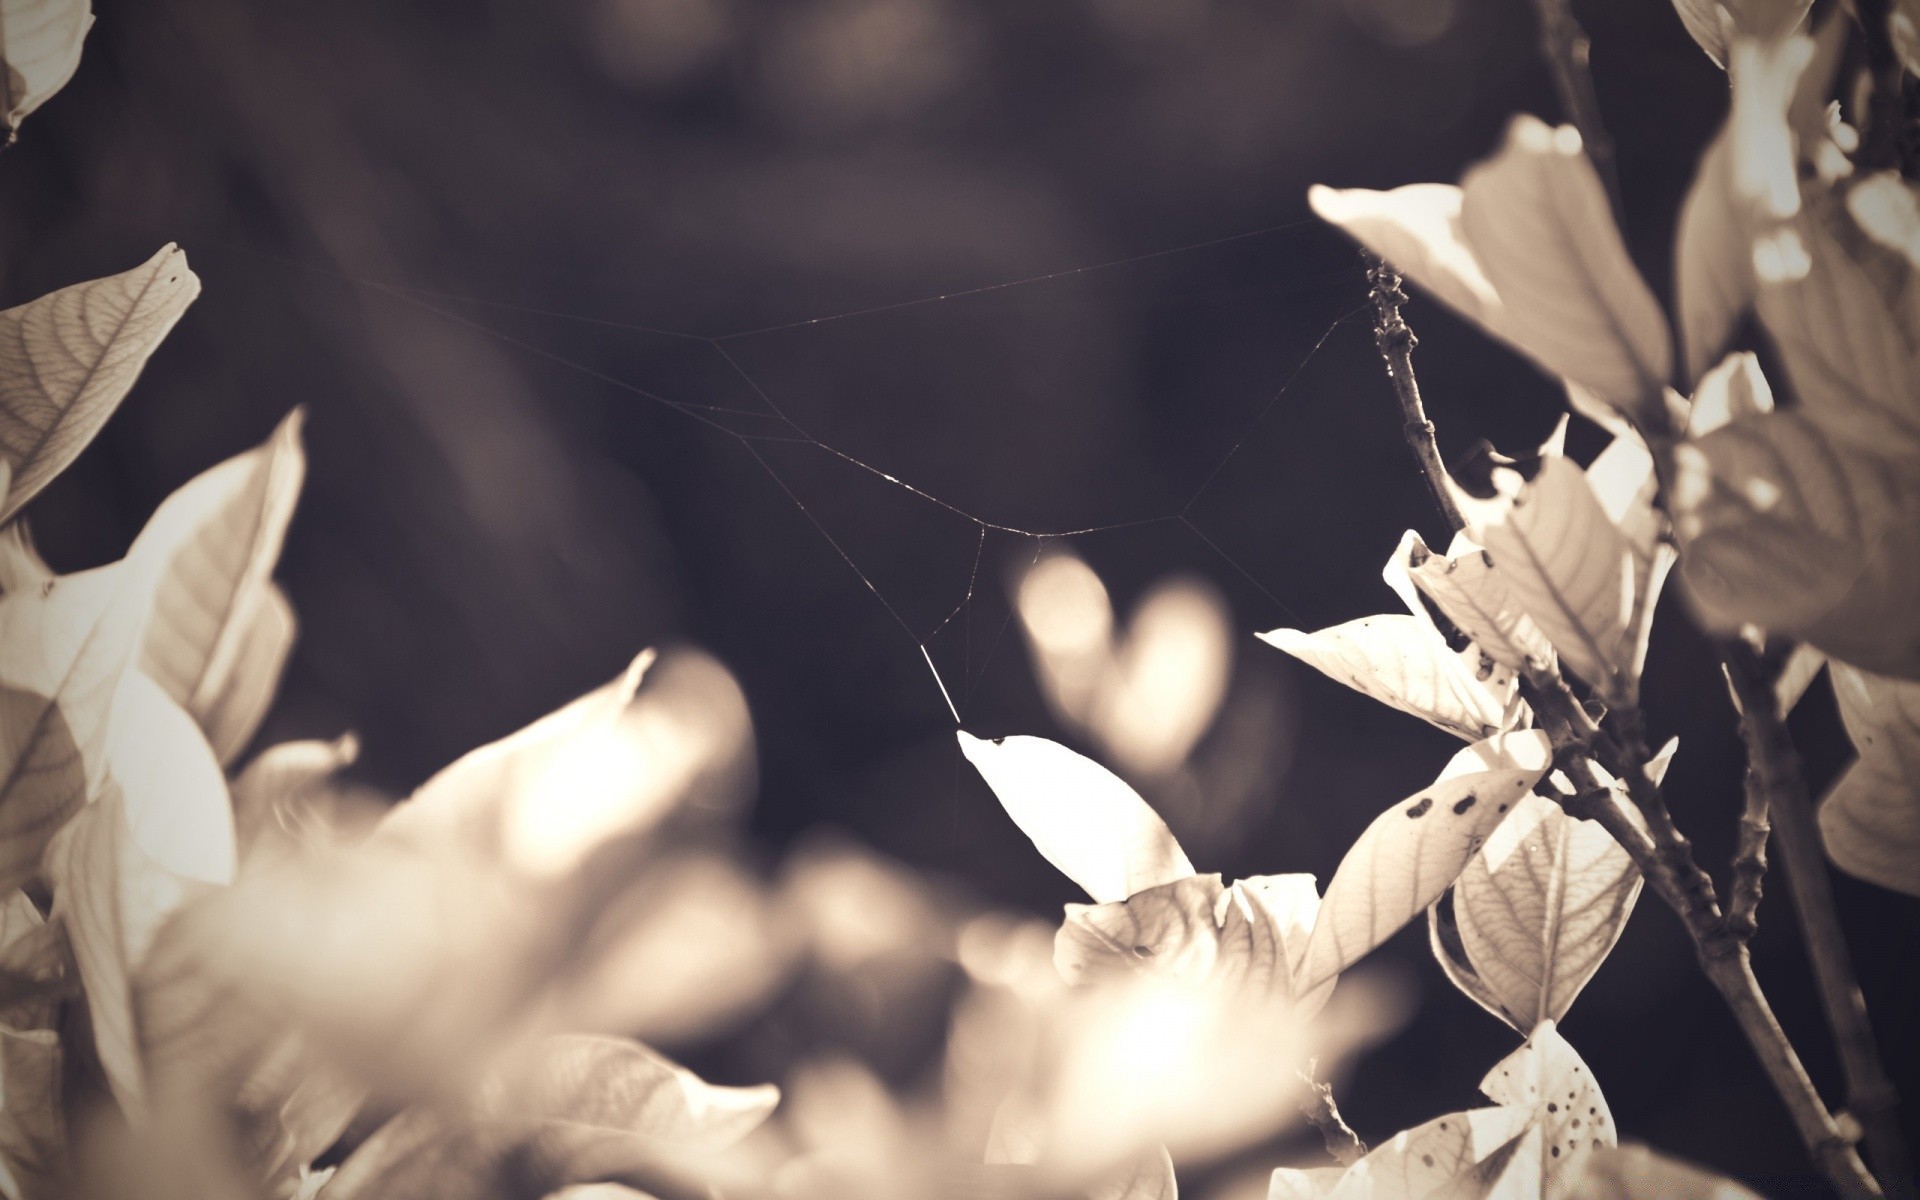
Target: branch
(1566,49)
(1396,342)
(1342,1142)
(1773,770)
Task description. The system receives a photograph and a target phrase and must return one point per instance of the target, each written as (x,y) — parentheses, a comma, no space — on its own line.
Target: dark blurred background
(380,195)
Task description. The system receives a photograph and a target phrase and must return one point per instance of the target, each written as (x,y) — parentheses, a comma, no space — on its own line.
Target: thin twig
(1749,874)
(1775,769)
(1564,45)
(1317,1103)
(1396,342)
(1660,852)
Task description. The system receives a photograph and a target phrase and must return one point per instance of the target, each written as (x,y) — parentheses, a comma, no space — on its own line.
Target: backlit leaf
(275,795)
(1403,662)
(1634,1172)
(64,648)
(1539,908)
(1148,1178)
(40,43)
(1083,818)
(1415,850)
(220,630)
(1870,820)
(33,1137)
(1461,1156)
(1736,388)
(21,566)
(1784,526)
(1467,590)
(68,358)
(1714,283)
(1548,1078)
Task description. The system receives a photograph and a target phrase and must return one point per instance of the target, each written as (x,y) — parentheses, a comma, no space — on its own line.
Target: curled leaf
(1083,818)
(1870,820)
(68,358)
(1464,586)
(1415,850)
(40,45)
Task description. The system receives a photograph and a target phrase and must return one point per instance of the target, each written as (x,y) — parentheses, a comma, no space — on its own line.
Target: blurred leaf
(1289,1183)
(1167,678)
(33,963)
(279,792)
(220,630)
(1168,931)
(40,43)
(1461,1156)
(1786,527)
(1802,667)
(1634,1172)
(1570,568)
(1547,1077)
(1736,388)
(1084,819)
(21,566)
(1539,908)
(64,648)
(33,1136)
(1714,284)
(1623,480)
(561,1116)
(1403,662)
(159,833)
(1414,851)
(1148,1178)
(1710,24)
(1870,820)
(68,358)
(1527,249)
(1467,590)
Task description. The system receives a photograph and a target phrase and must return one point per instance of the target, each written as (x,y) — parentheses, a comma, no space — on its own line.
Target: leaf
(63,650)
(1539,908)
(1634,1172)
(602,1088)
(220,630)
(1784,526)
(1570,568)
(1714,24)
(1623,480)
(1527,249)
(1290,1183)
(1414,851)
(1546,1076)
(278,791)
(68,358)
(33,1137)
(21,566)
(1403,662)
(1084,819)
(1149,1177)
(1710,24)
(1168,932)
(1714,284)
(40,42)
(158,834)
(1467,590)
(1734,389)
(1870,819)
(1460,1155)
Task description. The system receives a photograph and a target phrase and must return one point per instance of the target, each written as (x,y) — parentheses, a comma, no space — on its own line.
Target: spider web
(770,424)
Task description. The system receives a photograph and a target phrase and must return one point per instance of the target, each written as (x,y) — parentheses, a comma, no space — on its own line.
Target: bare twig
(1661,853)
(1774,770)
(1396,342)
(1317,1103)
(1565,46)
(1749,860)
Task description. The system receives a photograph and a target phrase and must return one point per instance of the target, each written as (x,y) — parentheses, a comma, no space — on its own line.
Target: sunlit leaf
(21,566)
(1634,1172)
(554,1116)
(40,43)
(1714,282)
(1623,480)
(1148,1178)
(1313,1183)
(1415,850)
(1539,908)
(64,648)
(279,794)
(1169,931)
(1466,589)
(1870,820)
(220,630)
(1084,819)
(1403,662)
(1459,1156)
(1786,527)
(68,358)
(1570,568)
(1526,248)
(1710,24)
(1548,1078)
(33,1137)
(1735,388)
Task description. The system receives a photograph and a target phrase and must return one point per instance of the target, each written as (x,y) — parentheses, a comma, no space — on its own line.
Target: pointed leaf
(63,650)
(68,358)
(1710,24)
(40,43)
(1870,820)
(1403,662)
(1734,389)
(1540,907)
(1464,586)
(220,630)
(1084,819)
(1570,569)
(1461,1156)
(1784,526)
(1634,1172)
(1415,850)
(1548,1078)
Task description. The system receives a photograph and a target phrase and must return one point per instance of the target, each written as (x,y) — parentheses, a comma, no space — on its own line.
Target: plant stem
(1342,1142)
(1660,852)
(1396,342)
(1774,769)
(1564,45)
